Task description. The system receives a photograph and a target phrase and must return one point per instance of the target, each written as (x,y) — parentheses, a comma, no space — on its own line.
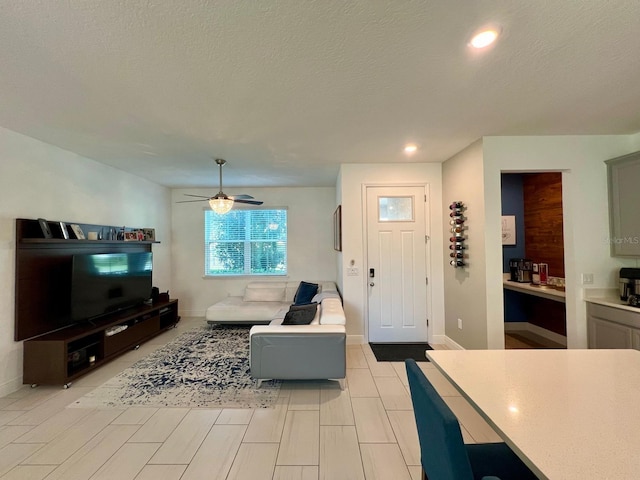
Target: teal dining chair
(443,453)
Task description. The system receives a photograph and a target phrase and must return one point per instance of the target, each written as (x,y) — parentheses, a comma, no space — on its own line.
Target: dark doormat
(398,352)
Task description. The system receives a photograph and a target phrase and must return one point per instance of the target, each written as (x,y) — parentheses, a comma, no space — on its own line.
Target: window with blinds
(245,242)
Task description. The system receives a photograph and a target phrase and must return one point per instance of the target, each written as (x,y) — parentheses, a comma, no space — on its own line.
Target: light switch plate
(587,278)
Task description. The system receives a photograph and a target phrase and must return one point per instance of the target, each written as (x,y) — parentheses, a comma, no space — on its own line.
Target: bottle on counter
(543,270)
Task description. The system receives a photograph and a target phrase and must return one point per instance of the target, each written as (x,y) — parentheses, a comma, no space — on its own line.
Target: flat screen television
(107,282)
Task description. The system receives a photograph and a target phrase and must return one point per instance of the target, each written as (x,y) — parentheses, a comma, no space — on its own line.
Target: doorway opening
(533,260)
(396,253)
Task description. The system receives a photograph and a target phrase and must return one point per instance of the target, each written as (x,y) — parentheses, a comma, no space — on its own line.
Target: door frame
(427,246)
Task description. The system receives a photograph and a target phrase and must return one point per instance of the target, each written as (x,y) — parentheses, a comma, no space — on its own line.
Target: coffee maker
(630,286)
(520,270)
(513,269)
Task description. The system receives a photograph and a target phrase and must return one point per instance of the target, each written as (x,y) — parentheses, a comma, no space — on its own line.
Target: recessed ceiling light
(484,38)
(410,148)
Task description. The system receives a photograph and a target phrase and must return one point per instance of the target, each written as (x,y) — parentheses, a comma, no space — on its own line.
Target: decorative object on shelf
(44,225)
(130,237)
(77,231)
(337,229)
(63,230)
(149,234)
(92,235)
(457,239)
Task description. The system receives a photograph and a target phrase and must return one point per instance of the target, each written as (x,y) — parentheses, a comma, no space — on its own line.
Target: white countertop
(608,298)
(569,414)
(528,288)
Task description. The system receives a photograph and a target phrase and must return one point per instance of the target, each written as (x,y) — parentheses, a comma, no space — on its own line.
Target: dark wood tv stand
(62,356)
(56,352)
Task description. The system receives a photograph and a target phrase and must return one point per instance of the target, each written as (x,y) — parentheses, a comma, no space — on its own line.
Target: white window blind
(245,242)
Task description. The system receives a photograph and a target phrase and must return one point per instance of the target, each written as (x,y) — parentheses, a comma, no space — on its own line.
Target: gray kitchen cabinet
(605,334)
(624,198)
(609,327)
(635,339)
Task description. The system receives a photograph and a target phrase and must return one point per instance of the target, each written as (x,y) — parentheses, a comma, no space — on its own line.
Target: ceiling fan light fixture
(485,38)
(221,205)
(410,148)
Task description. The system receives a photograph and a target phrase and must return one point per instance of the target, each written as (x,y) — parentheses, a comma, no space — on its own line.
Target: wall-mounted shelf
(43,273)
(55,351)
(32,231)
(457,239)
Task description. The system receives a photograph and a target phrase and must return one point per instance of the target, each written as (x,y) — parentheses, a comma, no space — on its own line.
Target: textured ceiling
(288,90)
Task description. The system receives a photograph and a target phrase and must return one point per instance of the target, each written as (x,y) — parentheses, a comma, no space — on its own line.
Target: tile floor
(315,431)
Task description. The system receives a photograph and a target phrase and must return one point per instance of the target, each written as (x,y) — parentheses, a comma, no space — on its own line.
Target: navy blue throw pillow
(306,291)
(300,314)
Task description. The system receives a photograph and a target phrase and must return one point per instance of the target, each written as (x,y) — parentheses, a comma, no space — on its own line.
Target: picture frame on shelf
(44,226)
(149,234)
(77,231)
(130,236)
(337,229)
(63,230)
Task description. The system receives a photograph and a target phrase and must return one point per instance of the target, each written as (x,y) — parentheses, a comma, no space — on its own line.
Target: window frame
(247,241)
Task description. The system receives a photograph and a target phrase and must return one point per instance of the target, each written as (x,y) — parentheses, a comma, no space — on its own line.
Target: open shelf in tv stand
(60,357)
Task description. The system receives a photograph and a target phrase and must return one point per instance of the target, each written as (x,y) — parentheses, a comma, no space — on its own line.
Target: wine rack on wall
(457,240)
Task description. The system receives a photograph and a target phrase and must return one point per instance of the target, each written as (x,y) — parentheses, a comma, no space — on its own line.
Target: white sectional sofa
(289,352)
(261,303)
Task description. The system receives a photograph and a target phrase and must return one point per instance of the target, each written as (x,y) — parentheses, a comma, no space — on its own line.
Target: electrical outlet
(352,271)
(460,323)
(587,278)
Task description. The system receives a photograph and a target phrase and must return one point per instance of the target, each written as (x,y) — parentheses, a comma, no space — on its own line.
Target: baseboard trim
(543,332)
(11,386)
(453,345)
(191,313)
(438,340)
(515,326)
(355,340)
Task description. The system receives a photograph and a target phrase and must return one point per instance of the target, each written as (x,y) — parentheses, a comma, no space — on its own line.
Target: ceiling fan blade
(199,196)
(249,202)
(243,197)
(189,201)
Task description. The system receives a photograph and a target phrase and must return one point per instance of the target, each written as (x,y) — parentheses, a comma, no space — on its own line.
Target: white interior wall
(585,205)
(465,288)
(352,179)
(310,243)
(39,180)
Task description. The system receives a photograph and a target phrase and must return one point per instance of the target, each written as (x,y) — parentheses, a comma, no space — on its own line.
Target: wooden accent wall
(544,240)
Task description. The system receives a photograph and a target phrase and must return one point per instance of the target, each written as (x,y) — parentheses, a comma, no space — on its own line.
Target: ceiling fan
(220,202)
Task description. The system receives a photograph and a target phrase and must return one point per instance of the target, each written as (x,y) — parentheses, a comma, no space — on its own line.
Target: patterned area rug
(204,367)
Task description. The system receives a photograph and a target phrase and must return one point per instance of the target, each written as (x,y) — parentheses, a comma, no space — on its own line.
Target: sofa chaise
(289,352)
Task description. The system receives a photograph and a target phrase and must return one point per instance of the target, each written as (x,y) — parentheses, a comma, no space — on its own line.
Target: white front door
(396,270)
